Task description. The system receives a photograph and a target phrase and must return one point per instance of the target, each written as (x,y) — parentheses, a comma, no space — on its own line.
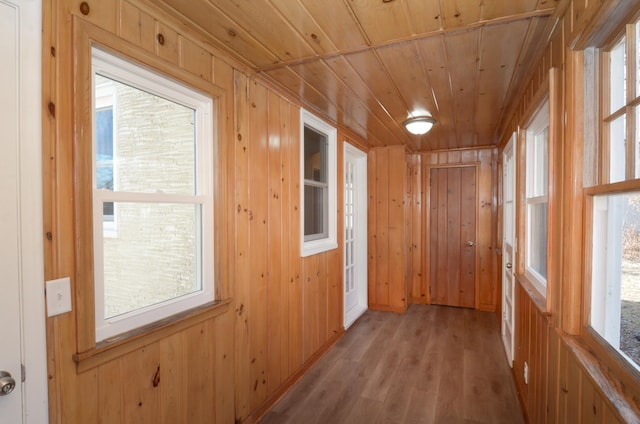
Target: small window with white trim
(318,159)
(153,177)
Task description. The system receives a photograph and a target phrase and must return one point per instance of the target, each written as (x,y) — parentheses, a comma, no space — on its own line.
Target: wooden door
(452,224)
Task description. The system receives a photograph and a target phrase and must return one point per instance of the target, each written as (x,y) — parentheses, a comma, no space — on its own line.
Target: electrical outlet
(526,373)
(58,296)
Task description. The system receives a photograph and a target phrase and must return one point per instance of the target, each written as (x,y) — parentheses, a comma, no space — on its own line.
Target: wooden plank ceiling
(369,64)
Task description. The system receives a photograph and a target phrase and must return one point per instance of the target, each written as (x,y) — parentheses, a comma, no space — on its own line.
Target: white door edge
(361,203)
(508,340)
(35,404)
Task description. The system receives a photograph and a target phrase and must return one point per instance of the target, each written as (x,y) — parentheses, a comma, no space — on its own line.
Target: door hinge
(23,373)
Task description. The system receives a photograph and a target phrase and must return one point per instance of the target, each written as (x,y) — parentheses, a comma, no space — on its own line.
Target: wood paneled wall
(485,159)
(566,383)
(388,231)
(278,313)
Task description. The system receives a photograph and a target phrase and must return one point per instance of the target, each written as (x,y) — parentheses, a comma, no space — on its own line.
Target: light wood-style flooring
(433,365)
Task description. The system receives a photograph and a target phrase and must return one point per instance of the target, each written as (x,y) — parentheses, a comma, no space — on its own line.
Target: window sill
(602,379)
(314,247)
(123,344)
(536,297)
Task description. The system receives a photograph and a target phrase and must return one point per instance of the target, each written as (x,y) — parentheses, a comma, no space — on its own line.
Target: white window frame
(139,77)
(330,241)
(539,123)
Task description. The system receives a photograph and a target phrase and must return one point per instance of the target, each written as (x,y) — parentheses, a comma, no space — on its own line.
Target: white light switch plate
(58,296)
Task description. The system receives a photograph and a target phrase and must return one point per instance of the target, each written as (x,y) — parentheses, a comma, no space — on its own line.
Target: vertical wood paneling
(388,238)
(167,43)
(415,230)
(275,312)
(195,59)
(110,393)
(242,287)
(171,378)
(381,188)
(199,354)
(141,400)
(296,282)
(225,368)
(288,238)
(372,219)
(397,236)
(258,234)
(137,27)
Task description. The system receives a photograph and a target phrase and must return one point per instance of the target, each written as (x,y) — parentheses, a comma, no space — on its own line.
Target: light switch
(58,296)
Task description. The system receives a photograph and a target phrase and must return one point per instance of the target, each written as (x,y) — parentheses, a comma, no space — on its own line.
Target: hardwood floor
(435,364)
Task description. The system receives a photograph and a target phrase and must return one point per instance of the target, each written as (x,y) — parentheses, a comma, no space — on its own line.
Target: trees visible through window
(614,196)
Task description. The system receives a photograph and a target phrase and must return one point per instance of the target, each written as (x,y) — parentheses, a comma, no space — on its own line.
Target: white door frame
(31,317)
(359,253)
(508,255)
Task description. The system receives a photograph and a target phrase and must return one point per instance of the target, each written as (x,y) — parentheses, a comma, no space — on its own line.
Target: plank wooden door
(452,224)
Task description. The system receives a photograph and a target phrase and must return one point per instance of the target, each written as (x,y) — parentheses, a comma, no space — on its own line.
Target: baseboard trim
(288,384)
(389,308)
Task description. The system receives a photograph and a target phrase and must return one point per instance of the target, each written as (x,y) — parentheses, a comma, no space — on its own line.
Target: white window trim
(312,247)
(135,75)
(538,123)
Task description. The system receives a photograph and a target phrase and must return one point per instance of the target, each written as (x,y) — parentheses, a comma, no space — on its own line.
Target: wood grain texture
(226,366)
(483,228)
(388,237)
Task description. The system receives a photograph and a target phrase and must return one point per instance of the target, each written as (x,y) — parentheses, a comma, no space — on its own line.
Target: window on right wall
(537,198)
(613,200)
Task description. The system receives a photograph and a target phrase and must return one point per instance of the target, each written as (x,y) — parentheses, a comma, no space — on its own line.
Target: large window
(152,196)
(318,173)
(613,197)
(537,197)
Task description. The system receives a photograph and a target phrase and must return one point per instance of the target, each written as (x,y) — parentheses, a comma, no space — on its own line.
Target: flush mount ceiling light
(419,125)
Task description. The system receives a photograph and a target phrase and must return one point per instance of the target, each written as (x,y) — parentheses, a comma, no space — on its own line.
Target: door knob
(509,265)
(7,383)
(470,243)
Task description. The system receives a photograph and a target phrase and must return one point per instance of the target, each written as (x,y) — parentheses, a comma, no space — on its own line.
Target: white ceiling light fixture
(419,125)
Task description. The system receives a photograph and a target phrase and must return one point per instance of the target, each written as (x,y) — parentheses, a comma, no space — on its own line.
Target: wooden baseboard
(388,308)
(419,301)
(288,384)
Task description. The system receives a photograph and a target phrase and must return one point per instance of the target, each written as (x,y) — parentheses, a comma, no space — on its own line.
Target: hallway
(433,365)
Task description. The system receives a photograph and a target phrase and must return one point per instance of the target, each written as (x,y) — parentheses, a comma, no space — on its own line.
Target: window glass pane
(617,149)
(539,162)
(314,210)
(618,77)
(615,297)
(153,258)
(154,140)
(537,238)
(315,155)
(637,140)
(104,156)
(637,58)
